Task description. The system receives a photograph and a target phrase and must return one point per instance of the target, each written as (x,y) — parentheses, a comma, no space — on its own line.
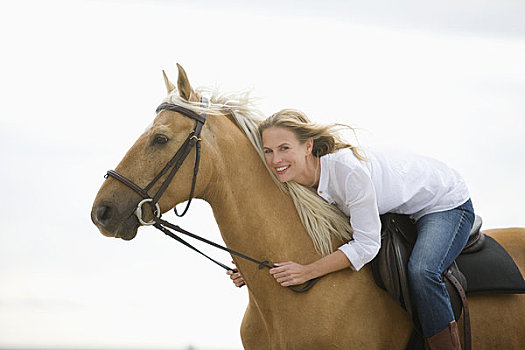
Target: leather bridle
(175,163)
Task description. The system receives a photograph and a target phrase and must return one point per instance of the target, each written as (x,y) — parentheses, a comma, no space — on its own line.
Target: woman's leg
(441,237)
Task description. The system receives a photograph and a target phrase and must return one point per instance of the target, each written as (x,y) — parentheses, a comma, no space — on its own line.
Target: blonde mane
(322,221)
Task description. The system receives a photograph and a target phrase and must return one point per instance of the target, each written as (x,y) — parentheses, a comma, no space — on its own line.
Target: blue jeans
(440,239)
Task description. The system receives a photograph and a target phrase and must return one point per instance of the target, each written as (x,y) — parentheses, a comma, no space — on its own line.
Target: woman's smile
(282,169)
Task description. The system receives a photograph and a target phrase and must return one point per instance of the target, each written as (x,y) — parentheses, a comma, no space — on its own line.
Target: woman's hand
(236,277)
(290,273)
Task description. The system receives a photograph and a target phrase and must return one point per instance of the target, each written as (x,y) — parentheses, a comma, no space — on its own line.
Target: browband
(182,110)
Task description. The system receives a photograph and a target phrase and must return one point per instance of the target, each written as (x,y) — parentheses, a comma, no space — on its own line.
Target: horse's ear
(185,89)
(168,83)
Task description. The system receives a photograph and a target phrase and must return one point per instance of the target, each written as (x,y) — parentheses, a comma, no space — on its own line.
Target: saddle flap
(398,234)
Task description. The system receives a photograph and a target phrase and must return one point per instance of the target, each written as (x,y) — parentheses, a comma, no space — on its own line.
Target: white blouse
(388,182)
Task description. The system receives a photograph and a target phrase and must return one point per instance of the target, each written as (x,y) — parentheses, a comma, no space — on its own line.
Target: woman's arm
(360,199)
(290,273)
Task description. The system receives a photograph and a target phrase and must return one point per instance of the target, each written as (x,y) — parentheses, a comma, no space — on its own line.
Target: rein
(175,163)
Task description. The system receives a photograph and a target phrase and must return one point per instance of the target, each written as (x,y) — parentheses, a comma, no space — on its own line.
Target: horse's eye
(161,139)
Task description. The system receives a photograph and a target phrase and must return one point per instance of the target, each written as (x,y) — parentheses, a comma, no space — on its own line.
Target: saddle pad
(491,271)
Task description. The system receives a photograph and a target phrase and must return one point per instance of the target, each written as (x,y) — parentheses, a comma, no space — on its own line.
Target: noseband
(175,163)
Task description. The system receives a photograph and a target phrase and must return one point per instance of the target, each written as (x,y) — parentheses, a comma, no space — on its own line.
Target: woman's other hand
(236,277)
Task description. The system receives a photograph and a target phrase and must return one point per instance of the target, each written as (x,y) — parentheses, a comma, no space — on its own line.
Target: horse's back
(498,320)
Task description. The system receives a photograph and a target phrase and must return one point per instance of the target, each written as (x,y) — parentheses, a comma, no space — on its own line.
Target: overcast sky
(80,81)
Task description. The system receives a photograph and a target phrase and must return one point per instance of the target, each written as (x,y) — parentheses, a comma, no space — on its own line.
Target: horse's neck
(257,219)
(253,215)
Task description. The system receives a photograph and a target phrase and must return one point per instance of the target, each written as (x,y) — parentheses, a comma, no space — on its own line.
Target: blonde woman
(364,186)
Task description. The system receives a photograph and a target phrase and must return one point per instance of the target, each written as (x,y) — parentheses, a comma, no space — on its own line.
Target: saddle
(467,275)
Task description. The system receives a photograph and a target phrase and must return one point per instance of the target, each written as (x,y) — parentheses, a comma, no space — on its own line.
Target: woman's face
(285,155)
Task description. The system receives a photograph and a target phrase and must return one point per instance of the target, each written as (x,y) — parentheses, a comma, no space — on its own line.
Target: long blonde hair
(328,223)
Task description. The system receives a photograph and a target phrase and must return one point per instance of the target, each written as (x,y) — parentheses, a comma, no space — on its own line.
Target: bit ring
(138,212)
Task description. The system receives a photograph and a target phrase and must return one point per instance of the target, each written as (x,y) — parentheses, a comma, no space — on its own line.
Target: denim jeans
(440,238)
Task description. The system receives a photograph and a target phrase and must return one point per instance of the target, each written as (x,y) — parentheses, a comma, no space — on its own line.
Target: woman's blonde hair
(323,221)
(325,137)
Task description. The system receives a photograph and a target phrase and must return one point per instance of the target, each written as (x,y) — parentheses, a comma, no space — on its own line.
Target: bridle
(175,163)
(193,140)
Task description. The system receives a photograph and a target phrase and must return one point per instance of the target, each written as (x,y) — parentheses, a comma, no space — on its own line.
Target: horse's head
(114,207)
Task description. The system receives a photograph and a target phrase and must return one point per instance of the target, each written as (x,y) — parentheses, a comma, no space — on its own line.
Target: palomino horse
(344,309)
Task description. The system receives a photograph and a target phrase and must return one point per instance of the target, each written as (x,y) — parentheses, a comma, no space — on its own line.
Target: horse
(344,309)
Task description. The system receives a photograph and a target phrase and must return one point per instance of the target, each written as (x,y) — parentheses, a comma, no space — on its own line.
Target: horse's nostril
(102,214)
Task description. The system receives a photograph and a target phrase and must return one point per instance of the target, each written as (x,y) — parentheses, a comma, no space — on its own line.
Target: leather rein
(193,140)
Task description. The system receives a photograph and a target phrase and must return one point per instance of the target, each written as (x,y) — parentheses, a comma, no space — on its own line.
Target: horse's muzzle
(111,223)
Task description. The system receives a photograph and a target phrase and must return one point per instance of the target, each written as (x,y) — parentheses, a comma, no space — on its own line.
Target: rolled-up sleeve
(364,218)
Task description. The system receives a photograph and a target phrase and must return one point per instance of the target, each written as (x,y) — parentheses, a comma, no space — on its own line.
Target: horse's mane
(322,221)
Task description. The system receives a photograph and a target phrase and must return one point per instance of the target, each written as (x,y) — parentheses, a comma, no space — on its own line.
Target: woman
(364,187)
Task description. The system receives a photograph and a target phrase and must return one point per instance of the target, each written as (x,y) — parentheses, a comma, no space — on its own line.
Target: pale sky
(80,81)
